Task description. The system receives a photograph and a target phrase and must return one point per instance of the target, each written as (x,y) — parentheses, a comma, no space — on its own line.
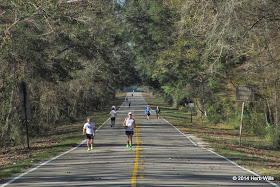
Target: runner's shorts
(89,136)
(129,132)
(113,118)
(148,114)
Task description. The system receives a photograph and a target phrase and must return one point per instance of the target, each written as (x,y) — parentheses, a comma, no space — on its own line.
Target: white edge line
(33,169)
(272,183)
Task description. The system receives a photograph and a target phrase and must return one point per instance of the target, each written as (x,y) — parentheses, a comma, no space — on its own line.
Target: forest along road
(161,156)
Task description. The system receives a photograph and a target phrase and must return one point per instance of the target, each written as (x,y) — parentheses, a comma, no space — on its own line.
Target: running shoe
(127,145)
(130,148)
(88,149)
(91,147)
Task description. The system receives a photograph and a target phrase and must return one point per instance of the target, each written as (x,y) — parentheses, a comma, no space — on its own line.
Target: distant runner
(129,103)
(129,124)
(148,112)
(113,116)
(157,112)
(89,131)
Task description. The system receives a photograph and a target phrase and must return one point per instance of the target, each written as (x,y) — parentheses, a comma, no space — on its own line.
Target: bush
(273,135)
(220,110)
(254,122)
(234,120)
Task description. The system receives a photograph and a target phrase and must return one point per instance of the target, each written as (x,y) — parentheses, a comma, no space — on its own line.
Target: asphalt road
(161,156)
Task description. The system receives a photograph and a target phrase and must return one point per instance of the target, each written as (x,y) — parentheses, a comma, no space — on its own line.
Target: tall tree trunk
(266,114)
(6,133)
(270,113)
(276,109)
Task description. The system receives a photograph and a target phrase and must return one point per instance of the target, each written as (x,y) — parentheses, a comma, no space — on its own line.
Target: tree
(71,54)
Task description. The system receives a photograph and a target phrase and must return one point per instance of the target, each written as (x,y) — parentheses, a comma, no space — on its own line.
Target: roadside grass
(256,153)
(52,143)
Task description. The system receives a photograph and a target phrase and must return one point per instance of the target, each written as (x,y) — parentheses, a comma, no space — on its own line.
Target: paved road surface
(161,156)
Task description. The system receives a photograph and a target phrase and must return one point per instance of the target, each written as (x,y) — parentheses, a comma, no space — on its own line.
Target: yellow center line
(135,170)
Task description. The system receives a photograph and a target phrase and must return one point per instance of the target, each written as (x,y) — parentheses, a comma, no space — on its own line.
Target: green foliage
(273,135)
(216,111)
(200,50)
(72,56)
(254,119)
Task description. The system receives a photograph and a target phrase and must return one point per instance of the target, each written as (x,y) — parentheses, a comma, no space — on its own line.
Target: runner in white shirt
(129,124)
(113,116)
(89,131)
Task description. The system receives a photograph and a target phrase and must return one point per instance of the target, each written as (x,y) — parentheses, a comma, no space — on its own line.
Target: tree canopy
(199,51)
(71,54)
(75,54)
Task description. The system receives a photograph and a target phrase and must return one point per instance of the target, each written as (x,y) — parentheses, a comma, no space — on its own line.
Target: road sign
(244,93)
(191,105)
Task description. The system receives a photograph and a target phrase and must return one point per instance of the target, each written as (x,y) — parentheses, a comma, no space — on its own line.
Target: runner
(89,131)
(148,112)
(113,116)
(129,103)
(157,112)
(129,124)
